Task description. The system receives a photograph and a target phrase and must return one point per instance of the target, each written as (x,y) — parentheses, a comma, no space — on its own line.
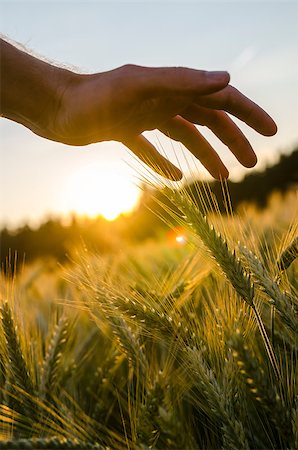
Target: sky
(256,41)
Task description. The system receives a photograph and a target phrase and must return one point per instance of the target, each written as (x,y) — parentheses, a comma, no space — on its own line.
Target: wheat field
(162,346)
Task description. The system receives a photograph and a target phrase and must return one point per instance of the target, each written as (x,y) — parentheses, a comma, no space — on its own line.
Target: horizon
(262,201)
(95,36)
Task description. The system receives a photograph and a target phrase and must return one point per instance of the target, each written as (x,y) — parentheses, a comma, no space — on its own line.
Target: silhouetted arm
(79,109)
(30,89)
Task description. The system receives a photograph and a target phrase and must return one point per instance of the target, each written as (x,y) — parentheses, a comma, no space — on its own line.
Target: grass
(163,347)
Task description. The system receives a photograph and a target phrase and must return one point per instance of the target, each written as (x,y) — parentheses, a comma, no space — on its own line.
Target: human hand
(121,104)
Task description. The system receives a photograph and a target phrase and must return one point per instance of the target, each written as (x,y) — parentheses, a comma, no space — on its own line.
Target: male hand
(123,103)
(120,104)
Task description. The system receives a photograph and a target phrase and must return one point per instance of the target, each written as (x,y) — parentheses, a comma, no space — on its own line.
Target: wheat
(283,301)
(218,401)
(125,337)
(176,360)
(17,372)
(214,242)
(52,367)
(148,427)
(288,256)
(267,394)
(226,259)
(130,344)
(138,309)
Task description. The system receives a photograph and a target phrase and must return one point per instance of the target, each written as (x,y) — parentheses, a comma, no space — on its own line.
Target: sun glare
(177,236)
(100,190)
(181,239)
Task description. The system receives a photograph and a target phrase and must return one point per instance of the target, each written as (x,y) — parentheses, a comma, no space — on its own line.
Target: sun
(100,190)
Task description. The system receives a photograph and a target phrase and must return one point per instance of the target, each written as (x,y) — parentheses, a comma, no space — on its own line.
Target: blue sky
(256,41)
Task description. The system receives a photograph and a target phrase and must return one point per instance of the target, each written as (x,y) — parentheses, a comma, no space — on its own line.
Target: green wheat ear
(53,363)
(220,251)
(288,256)
(18,372)
(218,399)
(266,395)
(281,300)
(215,243)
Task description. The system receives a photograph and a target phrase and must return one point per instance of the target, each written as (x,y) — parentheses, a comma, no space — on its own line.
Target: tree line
(55,240)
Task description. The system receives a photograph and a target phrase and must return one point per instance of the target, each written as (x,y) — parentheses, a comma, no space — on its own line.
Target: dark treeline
(258,186)
(54,239)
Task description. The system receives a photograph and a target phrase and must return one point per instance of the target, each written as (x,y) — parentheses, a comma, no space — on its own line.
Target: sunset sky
(256,41)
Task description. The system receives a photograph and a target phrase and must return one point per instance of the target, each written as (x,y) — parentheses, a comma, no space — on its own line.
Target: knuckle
(128,68)
(181,74)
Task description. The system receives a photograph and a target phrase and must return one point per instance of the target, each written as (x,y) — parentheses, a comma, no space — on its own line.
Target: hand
(122,103)
(119,105)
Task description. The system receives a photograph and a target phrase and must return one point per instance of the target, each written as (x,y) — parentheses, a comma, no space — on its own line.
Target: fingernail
(219,75)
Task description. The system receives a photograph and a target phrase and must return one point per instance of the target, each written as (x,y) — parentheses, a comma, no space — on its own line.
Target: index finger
(234,102)
(178,81)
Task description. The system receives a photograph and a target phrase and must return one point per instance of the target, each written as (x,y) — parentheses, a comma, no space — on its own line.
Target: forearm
(30,89)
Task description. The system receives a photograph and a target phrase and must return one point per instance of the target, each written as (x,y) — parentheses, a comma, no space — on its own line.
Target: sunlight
(181,239)
(177,236)
(100,190)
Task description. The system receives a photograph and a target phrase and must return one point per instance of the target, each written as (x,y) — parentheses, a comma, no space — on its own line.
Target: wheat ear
(18,370)
(226,259)
(127,340)
(216,244)
(281,300)
(267,395)
(148,316)
(218,400)
(288,255)
(53,362)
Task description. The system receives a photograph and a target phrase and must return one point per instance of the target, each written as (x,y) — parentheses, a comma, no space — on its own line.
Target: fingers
(225,129)
(153,111)
(234,102)
(181,130)
(176,81)
(147,153)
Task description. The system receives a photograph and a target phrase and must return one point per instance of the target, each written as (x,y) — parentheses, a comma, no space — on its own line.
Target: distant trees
(54,239)
(258,186)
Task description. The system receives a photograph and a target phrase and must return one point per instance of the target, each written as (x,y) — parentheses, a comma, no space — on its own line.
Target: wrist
(31,89)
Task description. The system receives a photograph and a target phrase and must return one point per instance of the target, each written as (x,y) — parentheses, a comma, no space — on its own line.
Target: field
(185,343)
